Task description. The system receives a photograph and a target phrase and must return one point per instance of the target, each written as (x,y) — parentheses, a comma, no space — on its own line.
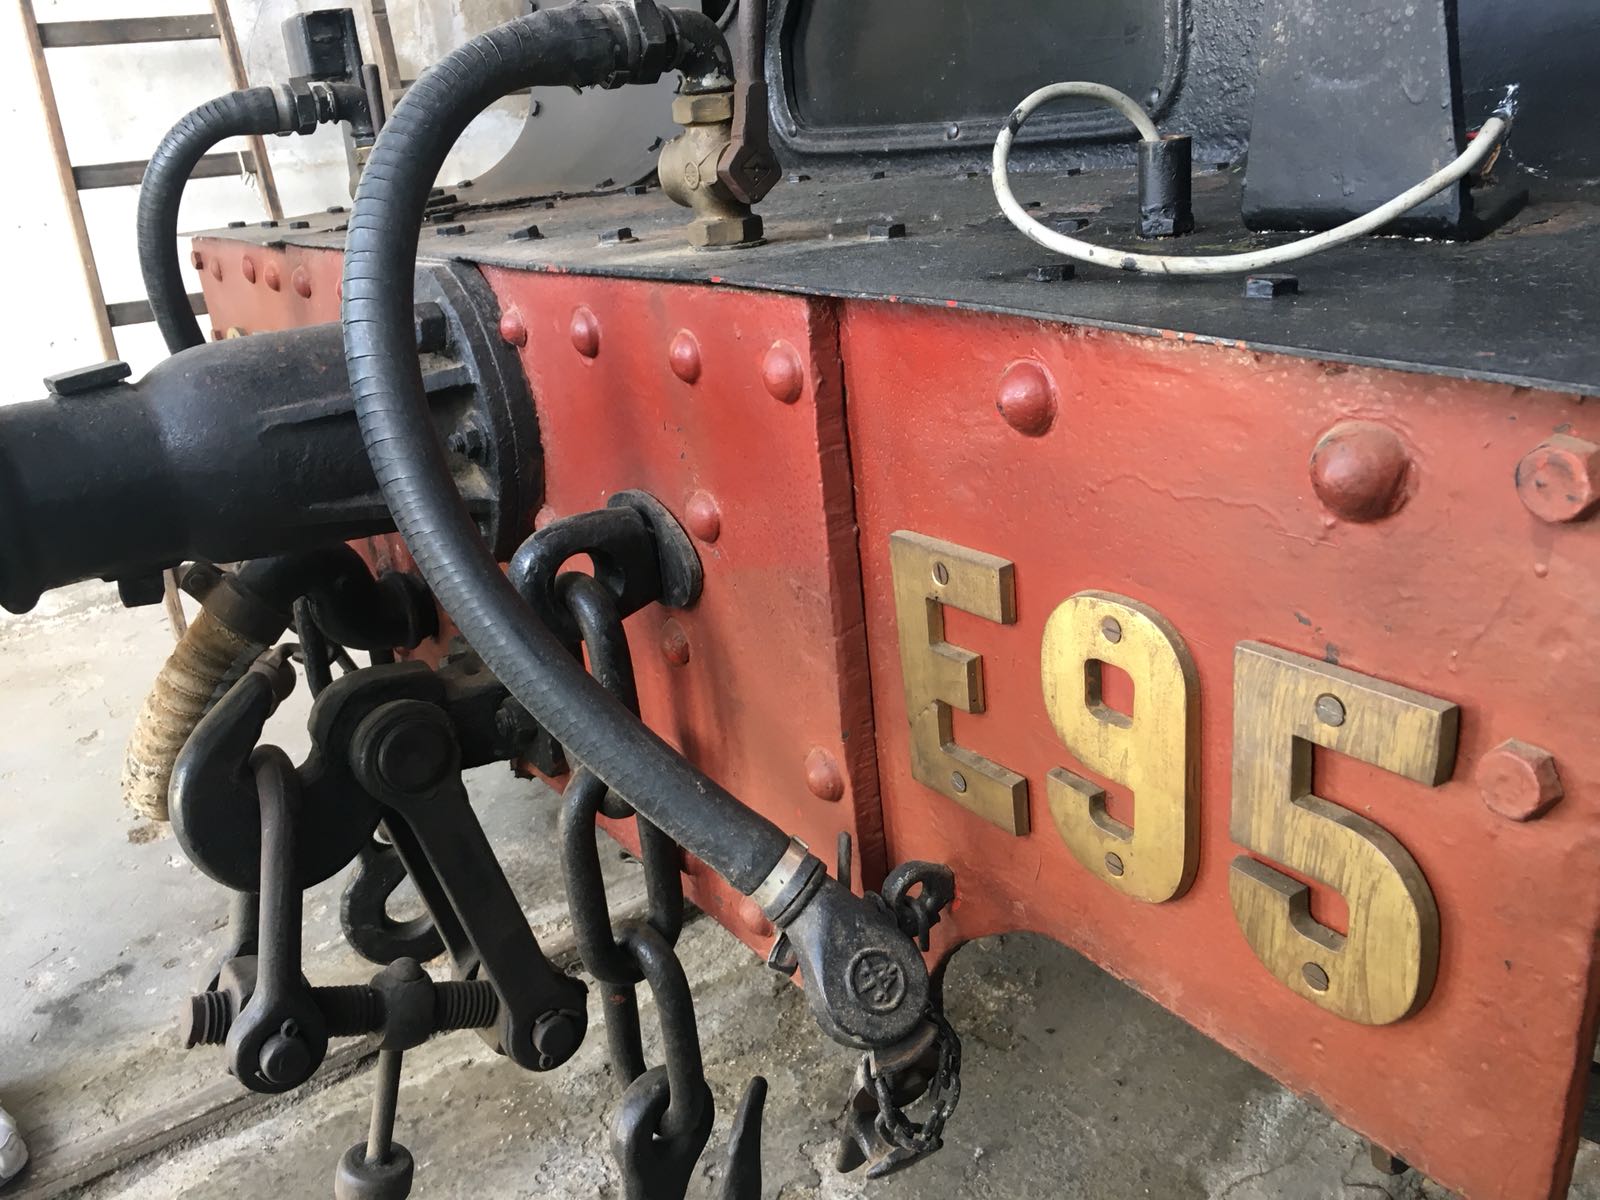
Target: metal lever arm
(405,754)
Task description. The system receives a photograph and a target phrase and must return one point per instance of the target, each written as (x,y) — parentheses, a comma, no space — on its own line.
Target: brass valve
(689,172)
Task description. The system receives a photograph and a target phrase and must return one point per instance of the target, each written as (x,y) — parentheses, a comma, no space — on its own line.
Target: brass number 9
(1150,753)
(1383,967)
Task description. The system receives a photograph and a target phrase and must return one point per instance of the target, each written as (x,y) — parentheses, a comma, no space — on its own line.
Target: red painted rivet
(216,269)
(823,776)
(197,260)
(783,373)
(338,289)
(585,333)
(247,268)
(753,919)
(1361,471)
(1027,399)
(674,643)
(273,277)
(702,517)
(1518,781)
(684,356)
(513,329)
(1560,480)
(543,517)
(302,283)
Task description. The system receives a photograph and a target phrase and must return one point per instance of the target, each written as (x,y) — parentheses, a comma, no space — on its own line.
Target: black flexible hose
(575,46)
(236,114)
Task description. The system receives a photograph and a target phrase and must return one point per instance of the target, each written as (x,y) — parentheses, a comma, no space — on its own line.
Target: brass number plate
(928,575)
(1151,752)
(1383,967)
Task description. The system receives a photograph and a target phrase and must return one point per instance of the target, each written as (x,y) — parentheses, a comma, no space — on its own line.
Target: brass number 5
(928,575)
(1383,968)
(1149,753)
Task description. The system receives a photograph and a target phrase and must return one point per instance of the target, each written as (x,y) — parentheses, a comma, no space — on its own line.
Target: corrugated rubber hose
(255,110)
(575,46)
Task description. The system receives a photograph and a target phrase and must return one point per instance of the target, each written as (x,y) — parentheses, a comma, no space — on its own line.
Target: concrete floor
(1074,1087)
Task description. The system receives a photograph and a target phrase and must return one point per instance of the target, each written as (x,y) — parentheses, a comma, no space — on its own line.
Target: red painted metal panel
(1177,474)
(726,407)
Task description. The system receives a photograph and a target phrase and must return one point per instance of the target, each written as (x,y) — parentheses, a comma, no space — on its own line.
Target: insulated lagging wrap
(572,46)
(237,114)
(210,656)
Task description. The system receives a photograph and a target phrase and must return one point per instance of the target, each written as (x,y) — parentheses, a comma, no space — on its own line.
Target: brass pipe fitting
(689,172)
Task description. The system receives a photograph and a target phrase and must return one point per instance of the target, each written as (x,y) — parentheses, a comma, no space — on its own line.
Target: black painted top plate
(1518,307)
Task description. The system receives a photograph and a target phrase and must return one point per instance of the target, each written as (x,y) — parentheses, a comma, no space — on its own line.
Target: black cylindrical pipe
(239,449)
(1166,187)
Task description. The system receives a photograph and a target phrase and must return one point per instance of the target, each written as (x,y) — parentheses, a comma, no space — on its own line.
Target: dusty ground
(1074,1086)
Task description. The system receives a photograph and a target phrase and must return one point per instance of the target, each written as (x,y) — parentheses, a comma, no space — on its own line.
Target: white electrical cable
(1488,140)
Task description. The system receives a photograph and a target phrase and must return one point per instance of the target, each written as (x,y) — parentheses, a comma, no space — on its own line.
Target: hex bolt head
(525,233)
(1361,471)
(886,231)
(1519,781)
(617,237)
(1559,480)
(1053,273)
(1270,287)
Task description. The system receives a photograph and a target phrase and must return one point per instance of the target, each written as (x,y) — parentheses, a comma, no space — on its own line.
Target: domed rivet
(585,333)
(783,373)
(302,283)
(247,268)
(674,643)
(273,276)
(823,777)
(702,517)
(513,329)
(1027,399)
(684,356)
(1361,471)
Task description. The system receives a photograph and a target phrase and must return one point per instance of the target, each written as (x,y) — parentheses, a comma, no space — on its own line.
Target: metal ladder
(127,31)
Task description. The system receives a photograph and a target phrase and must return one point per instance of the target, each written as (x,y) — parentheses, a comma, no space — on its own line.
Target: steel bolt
(823,777)
(1053,273)
(1027,399)
(674,643)
(1560,480)
(525,233)
(513,329)
(302,283)
(617,237)
(886,231)
(1519,781)
(702,517)
(415,756)
(585,333)
(1270,287)
(684,356)
(457,230)
(1330,711)
(285,1058)
(556,1037)
(783,373)
(206,1020)
(1361,471)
